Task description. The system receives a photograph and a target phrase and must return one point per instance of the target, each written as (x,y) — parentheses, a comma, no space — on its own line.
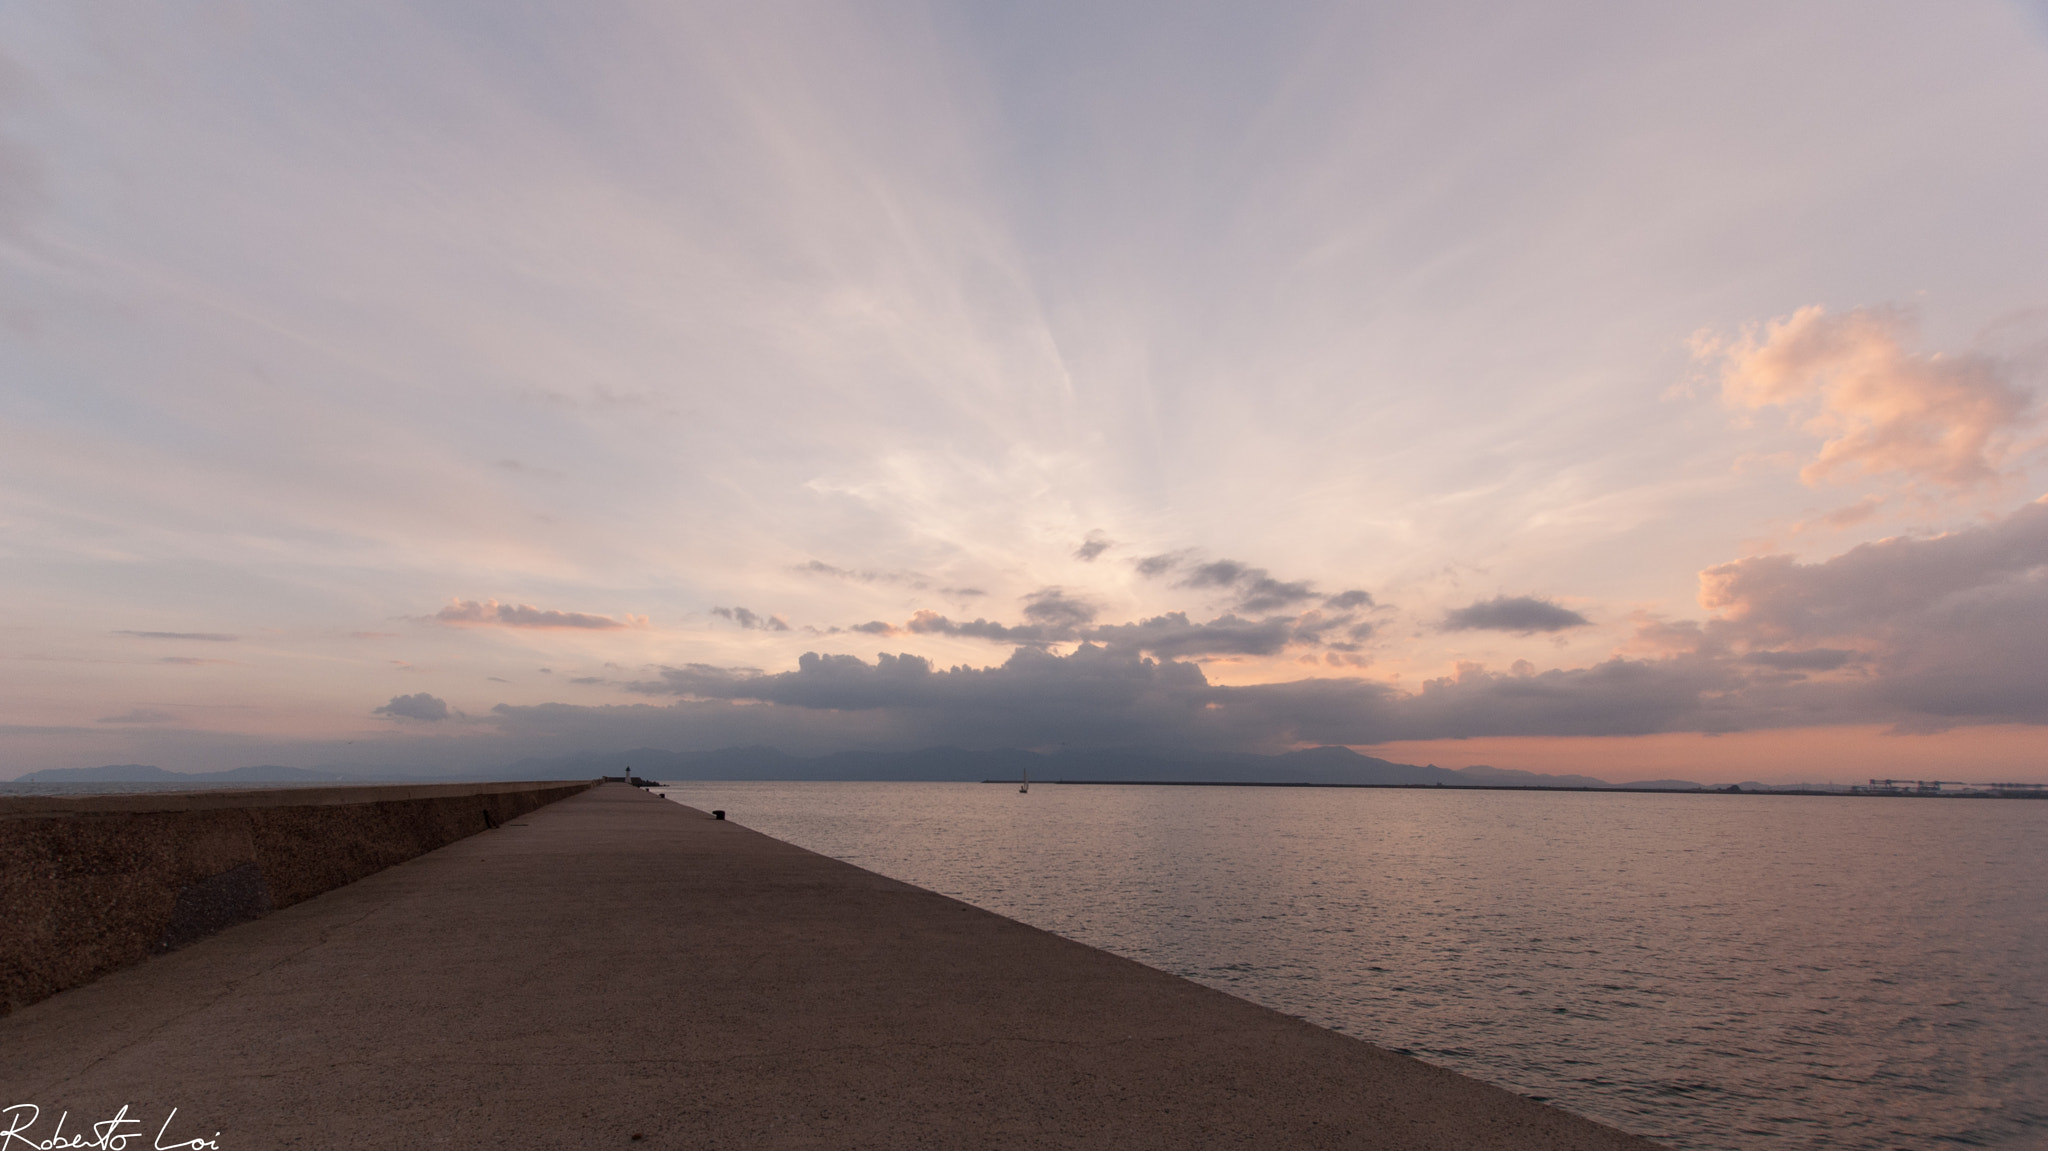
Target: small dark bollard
(718,815)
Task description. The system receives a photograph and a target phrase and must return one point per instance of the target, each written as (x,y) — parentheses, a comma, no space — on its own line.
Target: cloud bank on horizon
(410,382)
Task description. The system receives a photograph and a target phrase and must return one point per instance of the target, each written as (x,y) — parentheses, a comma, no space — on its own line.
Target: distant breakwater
(92,884)
(1991,791)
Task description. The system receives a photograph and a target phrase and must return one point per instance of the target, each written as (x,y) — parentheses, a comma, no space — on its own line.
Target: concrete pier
(615,969)
(92,883)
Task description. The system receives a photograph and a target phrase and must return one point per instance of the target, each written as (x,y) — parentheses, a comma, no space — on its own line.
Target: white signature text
(107,1134)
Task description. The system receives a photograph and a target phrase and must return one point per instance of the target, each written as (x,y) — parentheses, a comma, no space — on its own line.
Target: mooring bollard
(718,815)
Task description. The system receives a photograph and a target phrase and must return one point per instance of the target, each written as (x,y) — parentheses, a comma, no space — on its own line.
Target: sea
(1716,972)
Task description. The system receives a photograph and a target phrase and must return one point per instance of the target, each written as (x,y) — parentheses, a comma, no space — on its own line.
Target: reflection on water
(1711,971)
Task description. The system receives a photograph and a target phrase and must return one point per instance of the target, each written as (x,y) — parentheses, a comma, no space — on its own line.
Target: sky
(1624,389)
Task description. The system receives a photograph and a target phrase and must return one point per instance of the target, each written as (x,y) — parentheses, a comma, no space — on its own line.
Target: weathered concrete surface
(90,884)
(616,967)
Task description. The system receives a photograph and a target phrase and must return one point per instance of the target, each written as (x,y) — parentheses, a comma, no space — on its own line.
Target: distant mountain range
(1319,765)
(1324,765)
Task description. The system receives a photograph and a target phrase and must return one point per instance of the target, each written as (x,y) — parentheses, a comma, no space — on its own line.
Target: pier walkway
(615,969)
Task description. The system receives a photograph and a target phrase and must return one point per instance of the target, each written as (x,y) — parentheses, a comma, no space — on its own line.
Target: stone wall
(91,884)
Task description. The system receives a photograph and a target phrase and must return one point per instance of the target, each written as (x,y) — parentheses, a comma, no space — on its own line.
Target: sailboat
(1025,787)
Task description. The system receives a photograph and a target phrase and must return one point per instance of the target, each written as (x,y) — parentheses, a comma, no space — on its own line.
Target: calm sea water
(1715,972)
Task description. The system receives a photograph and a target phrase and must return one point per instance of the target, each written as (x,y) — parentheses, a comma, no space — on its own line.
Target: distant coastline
(1329,766)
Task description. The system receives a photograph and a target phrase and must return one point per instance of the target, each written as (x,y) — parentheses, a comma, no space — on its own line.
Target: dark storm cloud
(1521,614)
(751,621)
(419,706)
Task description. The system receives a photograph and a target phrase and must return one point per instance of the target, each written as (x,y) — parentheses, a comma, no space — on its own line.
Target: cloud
(1173,636)
(932,623)
(193,660)
(1811,659)
(1093,547)
(1092,697)
(1922,634)
(1311,628)
(1523,615)
(519,468)
(1880,408)
(1053,609)
(1953,628)
(1265,594)
(417,706)
(491,613)
(200,636)
(1257,590)
(137,715)
(1349,600)
(750,621)
(1876,586)
(1220,573)
(1098,696)
(832,571)
(1152,567)
(1053,616)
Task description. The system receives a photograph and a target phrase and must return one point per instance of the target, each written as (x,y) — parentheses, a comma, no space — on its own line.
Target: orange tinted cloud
(1879,407)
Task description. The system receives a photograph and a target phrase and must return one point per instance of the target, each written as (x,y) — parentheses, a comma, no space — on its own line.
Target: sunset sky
(1625,389)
